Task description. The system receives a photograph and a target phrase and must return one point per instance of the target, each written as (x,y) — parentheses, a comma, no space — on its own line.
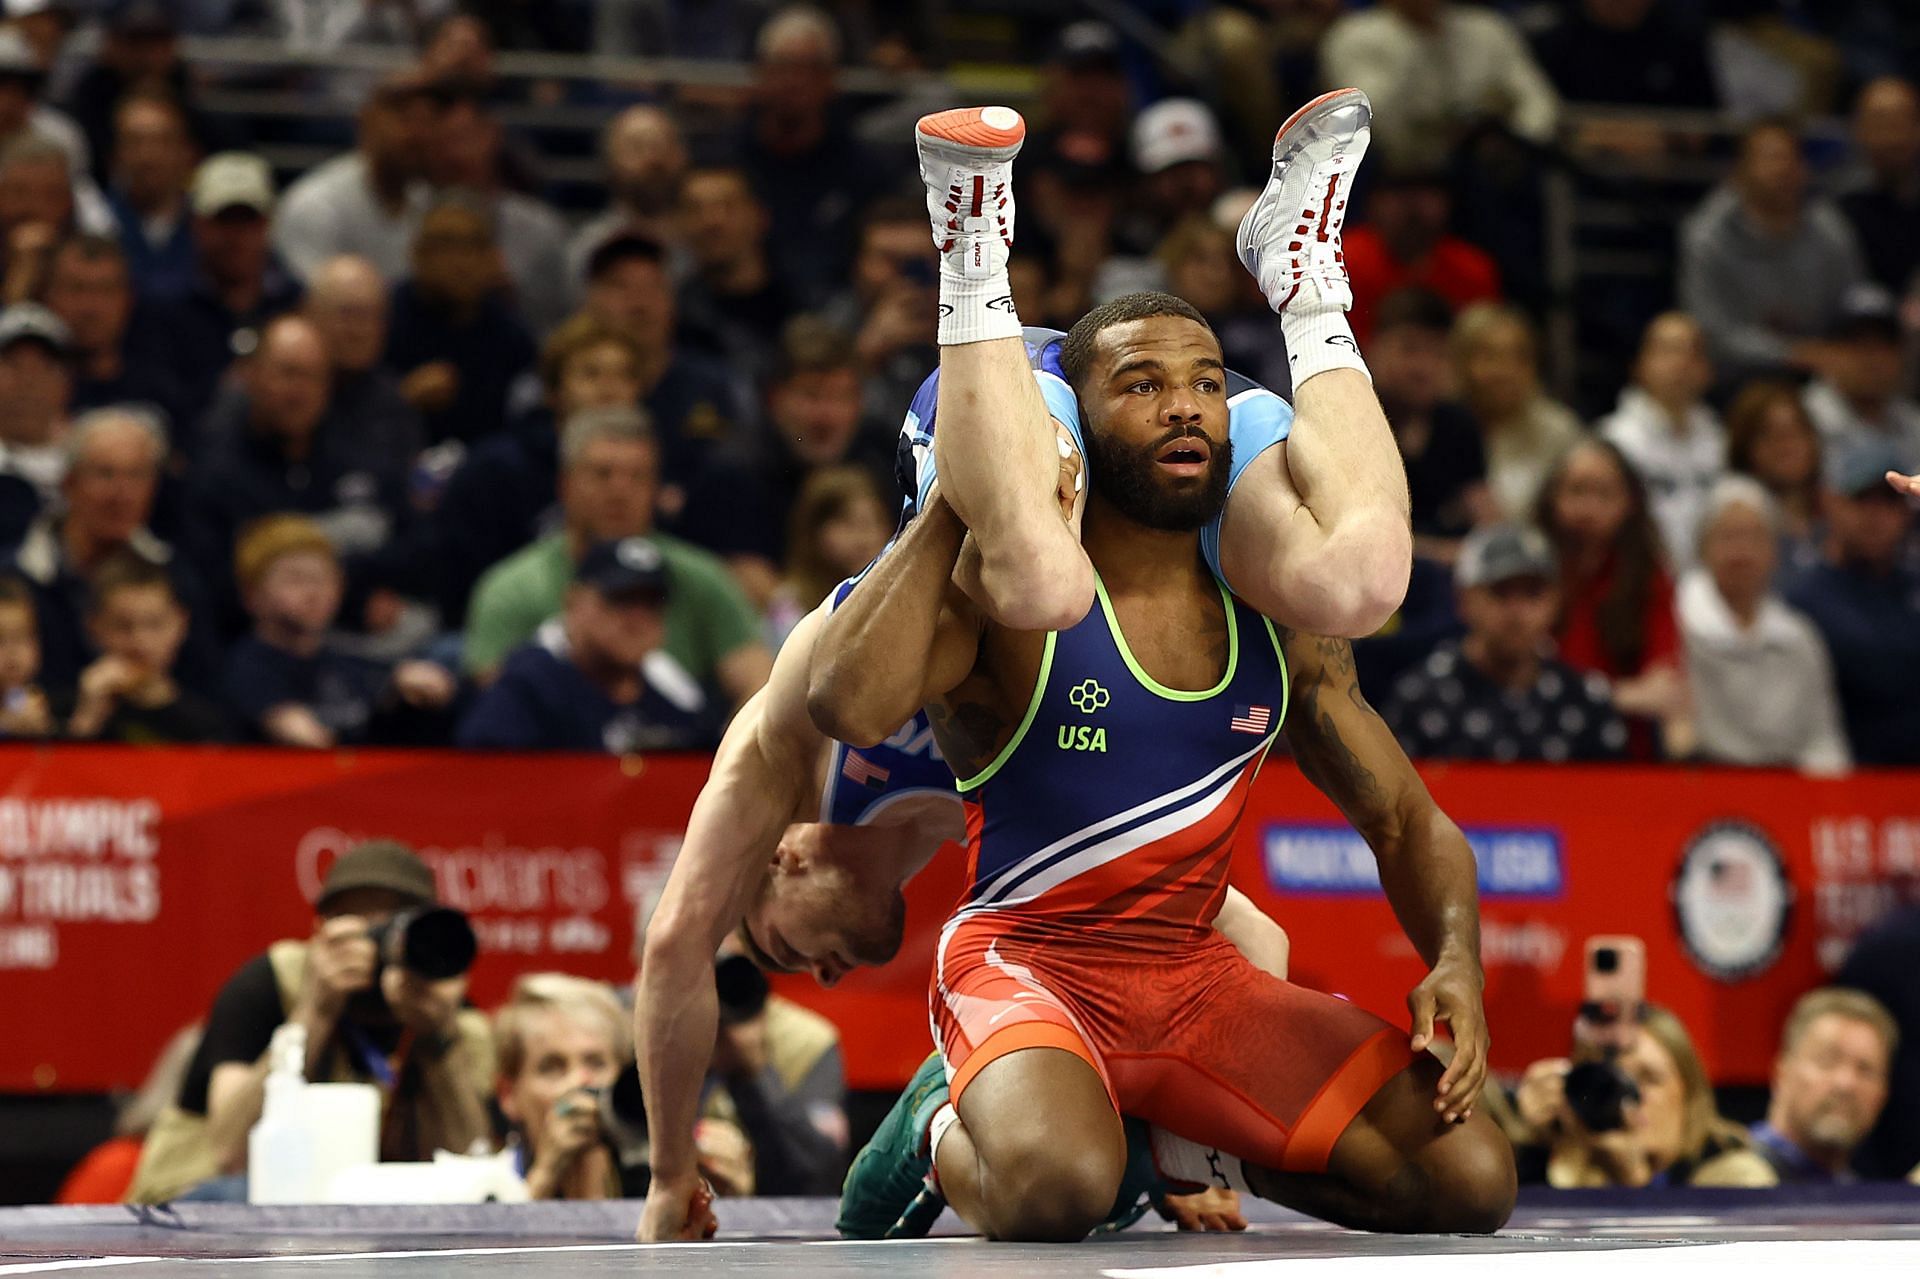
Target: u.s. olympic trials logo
(1732,900)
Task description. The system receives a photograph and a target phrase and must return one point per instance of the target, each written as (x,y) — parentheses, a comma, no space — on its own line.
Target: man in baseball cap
(1180,155)
(36,394)
(598,677)
(365,1022)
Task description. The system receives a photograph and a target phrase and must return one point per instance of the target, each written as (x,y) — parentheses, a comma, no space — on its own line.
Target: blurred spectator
(454,339)
(1087,104)
(609,475)
(1497,694)
(275,445)
(323,28)
(1858,399)
(347,302)
(1672,1136)
(1497,372)
(1182,162)
(106,502)
(1435,70)
(694,401)
(24,711)
(1616,610)
(1829,1085)
(646,162)
(238,285)
(841,521)
(44,25)
(597,678)
(1883,203)
(288,683)
(1765,267)
(1769,64)
(1630,53)
(153,167)
(1428,617)
(1882,965)
(734,305)
(436,1053)
(369,201)
(803,158)
(139,57)
(892,305)
(89,287)
(561,1041)
(1404,243)
(1666,430)
(129,694)
(531,237)
(36,213)
(1440,441)
(106,1173)
(1867,605)
(740,505)
(23,82)
(36,391)
(502,495)
(1198,263)
(1761,679)
(1771,438)
(457,48)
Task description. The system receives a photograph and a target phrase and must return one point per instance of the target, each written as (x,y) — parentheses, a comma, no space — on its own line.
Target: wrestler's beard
(1127,477)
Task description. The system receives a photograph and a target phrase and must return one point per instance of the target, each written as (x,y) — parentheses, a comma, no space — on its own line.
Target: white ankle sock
(975,308)
(1181,1160)
(943,1119)
(1318,338)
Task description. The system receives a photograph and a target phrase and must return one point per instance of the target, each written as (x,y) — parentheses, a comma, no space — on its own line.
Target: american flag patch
(857,768)
(1251,719)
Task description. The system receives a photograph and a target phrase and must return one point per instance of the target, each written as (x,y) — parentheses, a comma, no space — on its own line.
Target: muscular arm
(1426,867)
(762,779)
(903,636)
(1262,941)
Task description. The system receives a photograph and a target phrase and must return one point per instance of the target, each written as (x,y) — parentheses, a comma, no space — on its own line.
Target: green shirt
(708,618)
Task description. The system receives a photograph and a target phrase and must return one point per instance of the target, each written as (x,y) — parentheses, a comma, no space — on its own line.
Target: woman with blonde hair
(1771,438)
(1496,366)
(1672,1136)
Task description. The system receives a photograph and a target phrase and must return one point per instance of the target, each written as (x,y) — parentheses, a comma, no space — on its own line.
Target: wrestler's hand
(1212,1210)
(680,1208)
(1907,484)
(1451,994)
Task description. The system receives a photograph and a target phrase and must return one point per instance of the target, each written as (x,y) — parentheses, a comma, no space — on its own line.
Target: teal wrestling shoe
(886,1194)
(1140,1185)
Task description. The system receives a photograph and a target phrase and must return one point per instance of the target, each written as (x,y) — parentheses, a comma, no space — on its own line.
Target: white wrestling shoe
(966,160)
(1290,238)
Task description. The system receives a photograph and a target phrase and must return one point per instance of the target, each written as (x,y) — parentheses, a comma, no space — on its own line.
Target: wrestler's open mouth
(1187,455)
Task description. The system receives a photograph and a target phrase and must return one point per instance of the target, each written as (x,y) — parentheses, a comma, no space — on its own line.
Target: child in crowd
(839,524)
(128,694)
(287,682)
(23,707)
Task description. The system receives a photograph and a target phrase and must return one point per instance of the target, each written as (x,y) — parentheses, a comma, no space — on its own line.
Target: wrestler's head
(1153,404)
(816,911)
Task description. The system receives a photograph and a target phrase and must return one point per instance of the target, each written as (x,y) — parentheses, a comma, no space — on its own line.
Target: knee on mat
(1475,1182)
(1053,1196)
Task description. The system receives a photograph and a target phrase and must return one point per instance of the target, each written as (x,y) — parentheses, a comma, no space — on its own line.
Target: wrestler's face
(813,915)
(1155,401)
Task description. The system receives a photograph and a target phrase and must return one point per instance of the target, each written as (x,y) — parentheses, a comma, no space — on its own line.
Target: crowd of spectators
(392,449)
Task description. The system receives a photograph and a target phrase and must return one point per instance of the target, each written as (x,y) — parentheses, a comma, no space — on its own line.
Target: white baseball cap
(1175,131)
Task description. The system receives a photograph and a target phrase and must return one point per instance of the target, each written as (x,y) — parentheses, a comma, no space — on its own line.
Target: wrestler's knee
(1472,1177)
(1052,1191)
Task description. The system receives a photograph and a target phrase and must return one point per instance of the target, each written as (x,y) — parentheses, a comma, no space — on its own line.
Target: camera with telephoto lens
(742,988)
(1598,1093)
(433,942)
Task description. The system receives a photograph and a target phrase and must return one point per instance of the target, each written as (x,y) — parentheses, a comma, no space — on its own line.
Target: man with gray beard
(1829,1085)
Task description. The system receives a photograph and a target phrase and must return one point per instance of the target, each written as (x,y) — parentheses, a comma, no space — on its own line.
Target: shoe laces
(976,204)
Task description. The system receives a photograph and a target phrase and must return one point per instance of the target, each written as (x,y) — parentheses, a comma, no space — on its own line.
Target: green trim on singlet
(1286,675)
(1147,681)
(1019,734)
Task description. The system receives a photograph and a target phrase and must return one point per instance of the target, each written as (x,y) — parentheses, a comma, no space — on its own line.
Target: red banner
(132,883)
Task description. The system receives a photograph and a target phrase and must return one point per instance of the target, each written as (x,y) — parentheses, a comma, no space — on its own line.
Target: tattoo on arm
(1325,756)
(970,732)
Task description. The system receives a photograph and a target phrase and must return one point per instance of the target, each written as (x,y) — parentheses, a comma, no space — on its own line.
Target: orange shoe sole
(1296,116)
(973,127)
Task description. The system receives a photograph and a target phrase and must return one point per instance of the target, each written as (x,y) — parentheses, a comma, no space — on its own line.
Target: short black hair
(1076,353)
(622,247)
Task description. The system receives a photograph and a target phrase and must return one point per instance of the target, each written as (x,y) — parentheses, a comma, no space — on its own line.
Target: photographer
(1633,1108)
(380,988)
